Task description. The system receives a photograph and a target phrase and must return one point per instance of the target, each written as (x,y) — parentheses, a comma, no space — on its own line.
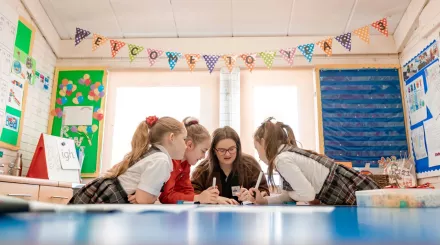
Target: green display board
(22,70)
(77,112)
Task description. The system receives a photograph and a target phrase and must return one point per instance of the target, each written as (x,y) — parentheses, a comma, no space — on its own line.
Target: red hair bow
(151,120)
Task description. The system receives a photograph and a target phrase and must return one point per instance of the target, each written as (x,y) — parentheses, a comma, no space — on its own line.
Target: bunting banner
(249,60)
(192,59)
(381,26)
(268,58)
(288,55)
(115,46)
(133,51)
(230,61)
(173,57)
(326,46)
(211,60)
(153,55)
(307,51)
(363,33)
(345,40)
(80,34)
(98,40)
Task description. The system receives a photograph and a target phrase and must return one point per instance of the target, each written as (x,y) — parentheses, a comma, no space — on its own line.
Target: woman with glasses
(233,171)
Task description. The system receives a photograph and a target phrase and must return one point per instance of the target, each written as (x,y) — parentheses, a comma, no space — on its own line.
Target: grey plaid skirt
(341,184)
(101,190)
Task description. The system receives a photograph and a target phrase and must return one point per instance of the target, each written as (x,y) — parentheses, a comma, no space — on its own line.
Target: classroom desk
(205,226)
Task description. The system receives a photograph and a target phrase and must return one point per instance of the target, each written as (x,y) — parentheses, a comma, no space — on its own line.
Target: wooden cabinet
(36,189)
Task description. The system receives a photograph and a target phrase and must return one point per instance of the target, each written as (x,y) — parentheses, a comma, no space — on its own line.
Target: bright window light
(134,104)
(279,102)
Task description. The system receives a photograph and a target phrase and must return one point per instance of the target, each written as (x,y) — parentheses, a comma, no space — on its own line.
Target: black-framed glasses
(231,150)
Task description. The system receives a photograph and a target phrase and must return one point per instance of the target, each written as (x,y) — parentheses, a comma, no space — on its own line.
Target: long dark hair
(242,165)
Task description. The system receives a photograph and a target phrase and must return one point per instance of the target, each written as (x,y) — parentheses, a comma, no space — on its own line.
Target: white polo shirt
(149,174)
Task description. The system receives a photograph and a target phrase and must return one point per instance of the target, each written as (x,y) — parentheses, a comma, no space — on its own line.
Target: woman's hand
(209,195)
(227,201)
(259,199)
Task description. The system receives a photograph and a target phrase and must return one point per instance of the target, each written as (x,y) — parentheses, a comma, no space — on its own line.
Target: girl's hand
(259,199)
(132,199)
(209,195)
(244,195)
(226,201)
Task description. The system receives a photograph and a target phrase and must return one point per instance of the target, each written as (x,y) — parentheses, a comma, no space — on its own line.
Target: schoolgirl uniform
(307,176)
(148,174)
(178,187)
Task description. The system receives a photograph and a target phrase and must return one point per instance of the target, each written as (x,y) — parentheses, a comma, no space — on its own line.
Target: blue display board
(362,115)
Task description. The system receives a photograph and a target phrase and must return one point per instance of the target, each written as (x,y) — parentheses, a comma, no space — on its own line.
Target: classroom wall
(427,29)
(38,101)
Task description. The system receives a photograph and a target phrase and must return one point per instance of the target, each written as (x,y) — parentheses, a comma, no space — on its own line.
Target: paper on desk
(418,140)
(432,134)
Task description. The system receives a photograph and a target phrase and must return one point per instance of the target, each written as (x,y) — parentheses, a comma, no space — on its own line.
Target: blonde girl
(144,170)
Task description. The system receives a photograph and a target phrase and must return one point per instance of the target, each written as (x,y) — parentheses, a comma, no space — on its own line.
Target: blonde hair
(195,132)
(146,134)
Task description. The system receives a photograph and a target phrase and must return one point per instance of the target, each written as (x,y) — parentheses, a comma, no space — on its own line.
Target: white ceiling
(219,18)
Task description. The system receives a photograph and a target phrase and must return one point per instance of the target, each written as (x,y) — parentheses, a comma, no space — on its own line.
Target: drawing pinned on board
(415,97)
(432,133)
(433,94)
(78,99)
(96,91)
(85,80)
(12,122)
(46,83)
(98,114)
(66,88)
(57,112)
(78,115)
(418,141)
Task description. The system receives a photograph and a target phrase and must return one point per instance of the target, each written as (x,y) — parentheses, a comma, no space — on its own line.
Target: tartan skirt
(341,184)
(101,190)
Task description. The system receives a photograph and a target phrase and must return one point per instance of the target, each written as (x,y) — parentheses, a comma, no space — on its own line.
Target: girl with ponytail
(144,170)
(307,176)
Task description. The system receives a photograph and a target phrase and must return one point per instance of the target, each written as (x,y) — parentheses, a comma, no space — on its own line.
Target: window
(280,102)
(133,104)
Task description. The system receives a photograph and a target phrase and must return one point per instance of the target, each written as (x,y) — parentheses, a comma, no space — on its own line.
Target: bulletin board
(361,114)
(14,89)
(422,96)
(77,112)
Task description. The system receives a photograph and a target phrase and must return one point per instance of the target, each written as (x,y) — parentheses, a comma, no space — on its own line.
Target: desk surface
(228,225)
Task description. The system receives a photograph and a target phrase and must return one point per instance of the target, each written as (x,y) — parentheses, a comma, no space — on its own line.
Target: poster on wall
(420,61)
(432,96)
(418,142)
(15,93)
(415,96)
(432,127)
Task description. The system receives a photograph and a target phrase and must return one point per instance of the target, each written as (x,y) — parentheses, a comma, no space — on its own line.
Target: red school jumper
(178,187)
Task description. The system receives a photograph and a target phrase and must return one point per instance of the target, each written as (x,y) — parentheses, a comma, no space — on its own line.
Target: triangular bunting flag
(115,46)
(80,35)
(230,61)
(307,51)
(133,51)
(288,55)
(381,26)
(249,60)
(211,60)
(268,58)
(326,45)
(192,59)
(363,33)
(153,55)
(173,57)
(98,40)
(345,40)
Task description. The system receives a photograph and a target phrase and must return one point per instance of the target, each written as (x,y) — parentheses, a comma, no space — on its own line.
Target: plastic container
(399,198)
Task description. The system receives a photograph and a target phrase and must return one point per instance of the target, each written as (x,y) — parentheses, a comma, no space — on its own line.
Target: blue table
(259,225)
